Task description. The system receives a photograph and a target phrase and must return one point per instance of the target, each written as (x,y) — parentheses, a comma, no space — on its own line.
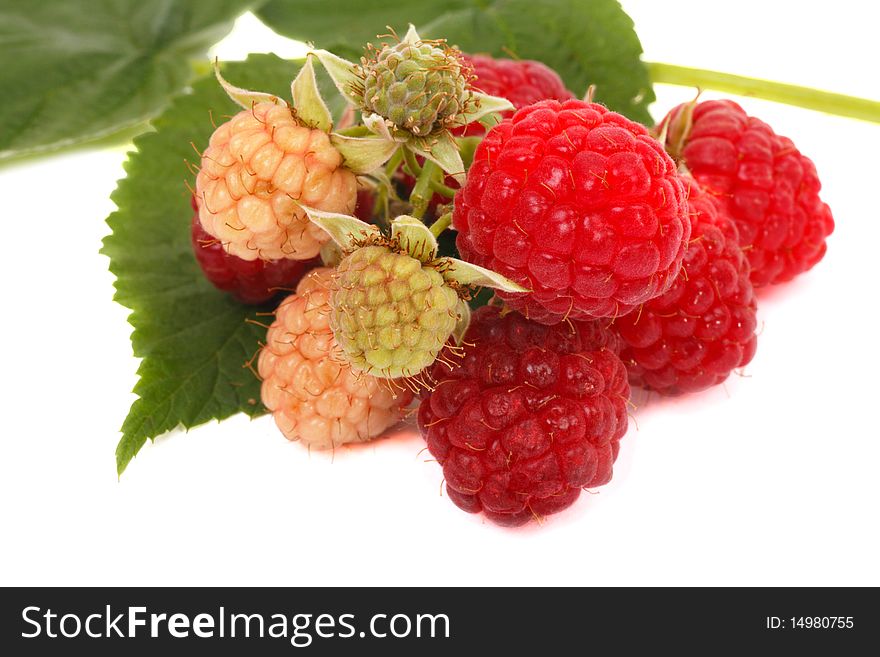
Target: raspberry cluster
(419,87)
(615,260)
(390,314)
(256,171)
(530,416)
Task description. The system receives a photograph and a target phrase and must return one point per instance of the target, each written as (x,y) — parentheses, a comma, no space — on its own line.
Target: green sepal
(464,321)
(345,230)
(343,73)
(467,273)
(363,154)
(415,238)
(244,97)
(443,151)
(481,105)
(307,101)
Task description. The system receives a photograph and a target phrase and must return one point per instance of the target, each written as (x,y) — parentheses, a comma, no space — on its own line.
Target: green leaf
(74,71)
(350,23)
(194,340)
(588,42)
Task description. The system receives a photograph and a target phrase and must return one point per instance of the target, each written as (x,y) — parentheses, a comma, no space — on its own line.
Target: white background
(771,479)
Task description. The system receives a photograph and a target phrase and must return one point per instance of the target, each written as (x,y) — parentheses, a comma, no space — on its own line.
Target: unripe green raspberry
(420,87)
(395,303)
(391,314)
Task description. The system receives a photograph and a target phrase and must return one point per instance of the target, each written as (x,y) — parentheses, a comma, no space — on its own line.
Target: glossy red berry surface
(578,204)
(249,281)
(764,183)
(700,330)
(521,81)
(532,415)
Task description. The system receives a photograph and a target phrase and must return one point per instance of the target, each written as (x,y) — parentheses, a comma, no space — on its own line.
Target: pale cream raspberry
(256,168)
(314,396)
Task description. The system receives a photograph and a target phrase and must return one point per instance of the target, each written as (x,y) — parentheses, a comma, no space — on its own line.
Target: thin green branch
(394,162)
(420,198)
(821,101)
(443,222)
(442,189)
(411,162)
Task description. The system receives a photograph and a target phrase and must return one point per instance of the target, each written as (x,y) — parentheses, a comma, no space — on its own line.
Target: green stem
(355,131)
(822,101)
(442,223)
(442,189)
(411,162)
(420,197)
(394,162)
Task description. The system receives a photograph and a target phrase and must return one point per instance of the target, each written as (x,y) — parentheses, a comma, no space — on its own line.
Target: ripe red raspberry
(521,81)
(249,281)
(769,189)
(694,335)
(532,415)
(578,204)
